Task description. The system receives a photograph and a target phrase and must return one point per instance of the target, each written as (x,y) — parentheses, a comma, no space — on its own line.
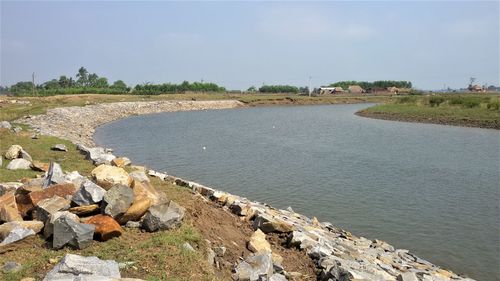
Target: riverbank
(481,111)
(335,253)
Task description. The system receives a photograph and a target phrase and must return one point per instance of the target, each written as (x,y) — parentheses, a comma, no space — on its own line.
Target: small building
(393,90)
(330,90)
(476,88)
(355,89)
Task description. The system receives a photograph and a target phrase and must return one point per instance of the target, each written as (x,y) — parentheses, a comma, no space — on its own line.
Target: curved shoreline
(335,251)
(423,120)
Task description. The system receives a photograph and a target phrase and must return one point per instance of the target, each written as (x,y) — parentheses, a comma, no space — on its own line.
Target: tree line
(376,84)
(86,82)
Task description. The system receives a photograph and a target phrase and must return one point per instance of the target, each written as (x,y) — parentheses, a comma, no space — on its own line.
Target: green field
(471,110)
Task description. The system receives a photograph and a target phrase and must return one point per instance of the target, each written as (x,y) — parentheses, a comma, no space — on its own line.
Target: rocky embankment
(78,124)
(336,253)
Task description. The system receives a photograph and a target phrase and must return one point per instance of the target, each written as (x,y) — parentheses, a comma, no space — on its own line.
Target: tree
(52,84)
(102,82)
(92,80)
(252,89)
(120,85)
(64,82)
(82,77)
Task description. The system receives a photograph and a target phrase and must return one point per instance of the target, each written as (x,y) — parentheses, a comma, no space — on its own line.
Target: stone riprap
(78,124)
(338,254)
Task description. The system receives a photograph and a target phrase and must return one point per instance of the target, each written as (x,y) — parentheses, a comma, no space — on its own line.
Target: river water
(432,189)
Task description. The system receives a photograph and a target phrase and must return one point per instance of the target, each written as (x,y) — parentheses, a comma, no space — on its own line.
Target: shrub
(493,105)
(407,100)
(436,101)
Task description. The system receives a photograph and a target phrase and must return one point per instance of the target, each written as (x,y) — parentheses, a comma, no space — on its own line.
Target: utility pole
(33,83)
(310,85)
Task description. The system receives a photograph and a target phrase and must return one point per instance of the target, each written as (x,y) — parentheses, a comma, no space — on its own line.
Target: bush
(407,100)
(436,101)
(278,89)
(468,102)
(493,105)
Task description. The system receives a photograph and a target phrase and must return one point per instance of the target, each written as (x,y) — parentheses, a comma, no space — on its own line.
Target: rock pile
(78,124)
(337,253)
(72,210)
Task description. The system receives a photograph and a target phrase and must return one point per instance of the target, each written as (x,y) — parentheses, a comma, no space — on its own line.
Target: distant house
(475,88)
(393,90)
(330,90)
(355,89)
(376,90)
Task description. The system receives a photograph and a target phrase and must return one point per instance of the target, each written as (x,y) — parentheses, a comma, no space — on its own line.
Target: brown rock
(136,210)
(39,166)
(8,208)
(13,152)
(144,190)
(121,162)
(258,242)
(105,227)
(84,210)
(106,176)
(61,190)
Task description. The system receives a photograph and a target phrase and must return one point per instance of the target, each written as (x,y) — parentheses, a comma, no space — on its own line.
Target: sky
(242,44)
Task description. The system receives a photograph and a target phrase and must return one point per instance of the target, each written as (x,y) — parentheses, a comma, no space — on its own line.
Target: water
(429,188)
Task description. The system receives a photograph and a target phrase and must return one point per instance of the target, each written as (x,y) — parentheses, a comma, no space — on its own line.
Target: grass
(155,256)
(39,105)
(479,110)
(39,149)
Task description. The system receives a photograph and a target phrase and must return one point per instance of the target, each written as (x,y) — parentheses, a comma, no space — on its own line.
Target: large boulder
(106,176)
(105,227)
(13,152)
(63,190)
(97,155)
(75,267)
(19,164)
(117,200)
(8,208)
(46,207)
(6,228)
(144,190)
(267,224)
(69,232)
(54,174)
(88,194)
(163,216)
(136,210)
(16,234)
(255,267)
(139,175)
(48,230)
(9,186)
(25,155)
(258,242)
(39,166)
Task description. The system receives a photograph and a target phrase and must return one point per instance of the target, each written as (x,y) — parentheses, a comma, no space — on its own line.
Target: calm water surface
(428,188)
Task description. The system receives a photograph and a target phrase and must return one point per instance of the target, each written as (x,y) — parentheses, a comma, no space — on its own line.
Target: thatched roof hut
(355,89)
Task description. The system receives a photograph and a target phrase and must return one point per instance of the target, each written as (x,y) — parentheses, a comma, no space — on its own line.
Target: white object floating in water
(274,127)
(204,148)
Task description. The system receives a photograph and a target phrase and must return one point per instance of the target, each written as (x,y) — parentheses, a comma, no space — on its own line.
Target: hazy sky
(239,44)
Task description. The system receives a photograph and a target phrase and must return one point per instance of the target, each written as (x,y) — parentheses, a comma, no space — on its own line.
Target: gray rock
(54,174)
(139,176)
(210,256)
(11,267)
(17,129)
(163,216)
(99,155)
(59,147)
(19,164)
(88,194)
(75,178)
(69,232)
(48,229)
(117,200)
(24,155)
(277,277)
(133,224)
(186,246)
(75,267)
(220,251)
(407,276)
(46,207)
(256,267)
(16,234)
(5,125)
